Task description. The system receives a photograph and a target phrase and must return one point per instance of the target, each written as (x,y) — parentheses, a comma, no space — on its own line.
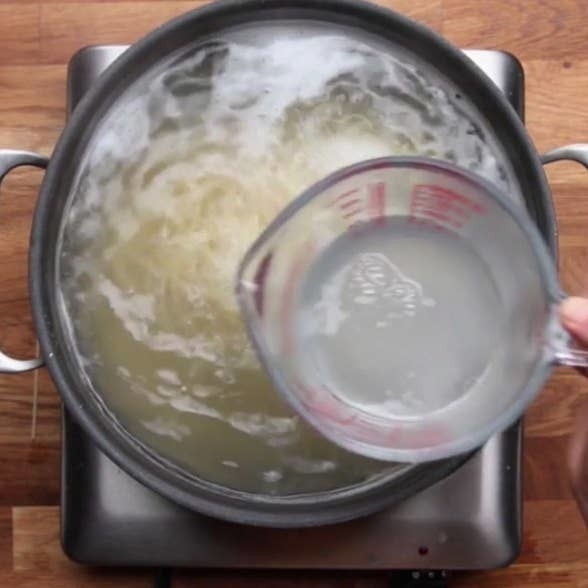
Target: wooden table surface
(36,41)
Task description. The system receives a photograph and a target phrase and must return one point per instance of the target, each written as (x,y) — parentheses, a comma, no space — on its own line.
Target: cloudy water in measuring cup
(398,320)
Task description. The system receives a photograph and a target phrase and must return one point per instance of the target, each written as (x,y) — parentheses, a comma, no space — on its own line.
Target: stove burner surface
(469,520)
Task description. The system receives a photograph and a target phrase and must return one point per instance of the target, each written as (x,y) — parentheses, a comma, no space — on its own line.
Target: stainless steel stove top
(469,520)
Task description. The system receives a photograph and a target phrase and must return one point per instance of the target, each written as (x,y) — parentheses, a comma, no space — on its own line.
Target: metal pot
(313,509)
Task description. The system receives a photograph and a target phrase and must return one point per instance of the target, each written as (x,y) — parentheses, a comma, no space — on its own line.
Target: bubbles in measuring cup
(416,320)
(373,278)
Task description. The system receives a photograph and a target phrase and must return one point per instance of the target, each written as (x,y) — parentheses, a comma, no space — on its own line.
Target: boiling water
(187,169)
(398,320)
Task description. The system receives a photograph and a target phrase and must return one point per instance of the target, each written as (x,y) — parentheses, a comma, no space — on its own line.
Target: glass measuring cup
(405,308)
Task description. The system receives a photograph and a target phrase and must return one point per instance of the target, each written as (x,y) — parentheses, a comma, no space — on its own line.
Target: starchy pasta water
(188,169)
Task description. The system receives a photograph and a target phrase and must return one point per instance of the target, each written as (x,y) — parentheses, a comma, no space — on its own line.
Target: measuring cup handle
(9,160)
(561,347)
(572,356)
(567,353)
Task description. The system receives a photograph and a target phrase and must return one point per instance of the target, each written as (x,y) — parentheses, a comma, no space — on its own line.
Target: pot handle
(10,159)
(577,152)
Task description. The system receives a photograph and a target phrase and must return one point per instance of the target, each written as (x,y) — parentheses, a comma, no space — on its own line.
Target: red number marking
(351,213)
(347,203)
(343,196)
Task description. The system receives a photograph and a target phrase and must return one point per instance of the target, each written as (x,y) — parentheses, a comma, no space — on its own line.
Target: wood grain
(48,414)
(541,455)
(6,563)
(552,92)
(37,95)
(38,559)
(30,472)
(37,37)
(64,28)
(20,39)
(531,29)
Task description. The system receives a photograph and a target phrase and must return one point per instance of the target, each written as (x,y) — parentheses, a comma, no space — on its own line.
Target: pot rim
(120,447)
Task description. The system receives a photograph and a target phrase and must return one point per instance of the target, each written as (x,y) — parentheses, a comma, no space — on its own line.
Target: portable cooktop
(470,520)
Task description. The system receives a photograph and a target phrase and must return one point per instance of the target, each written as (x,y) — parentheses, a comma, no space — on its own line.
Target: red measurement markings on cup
(349,204)
(377,201)
(350,208)
(441,207)
(372,203)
